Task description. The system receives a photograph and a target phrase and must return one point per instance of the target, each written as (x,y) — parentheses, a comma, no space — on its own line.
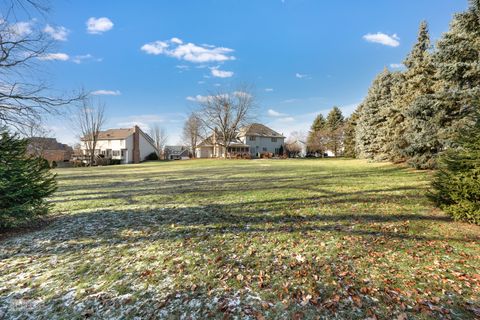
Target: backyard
(255,239)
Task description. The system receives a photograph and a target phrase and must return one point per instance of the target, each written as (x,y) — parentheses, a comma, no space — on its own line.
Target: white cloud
(397,66)
(106,93)
(198,98)
(273,113)
(99,25)
(221,73)
(81,58)
(190,52)
(300,76)
(54,56)
(382,38)
(268,89)
(287,119)
(57,33)
(22,28)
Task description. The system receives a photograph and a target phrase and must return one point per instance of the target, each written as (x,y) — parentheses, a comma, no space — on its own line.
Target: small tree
(25,182)
(90,119)
(159,136)
(457,182)
(193,131)
(335,127)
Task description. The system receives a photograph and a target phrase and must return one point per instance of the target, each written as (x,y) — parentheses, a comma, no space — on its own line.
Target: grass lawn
(258,239)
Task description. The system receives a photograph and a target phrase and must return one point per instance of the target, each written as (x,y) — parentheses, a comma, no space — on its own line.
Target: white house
(127,145)
(253,140)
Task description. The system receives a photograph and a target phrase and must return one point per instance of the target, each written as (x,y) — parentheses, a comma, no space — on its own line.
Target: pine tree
(318,124)
(334,130)
(457,182)
(418,80)
(349,135)
(25,182)
(371,134)
(315,136)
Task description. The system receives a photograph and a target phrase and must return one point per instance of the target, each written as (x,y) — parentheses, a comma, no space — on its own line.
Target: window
(274,139)
(123,153)
(265,149)
(252,138)
(115,153)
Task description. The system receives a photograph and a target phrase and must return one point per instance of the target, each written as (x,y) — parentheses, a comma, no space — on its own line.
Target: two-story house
(253,140)
(130,145)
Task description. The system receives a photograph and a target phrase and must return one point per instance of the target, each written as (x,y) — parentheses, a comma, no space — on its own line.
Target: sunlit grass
(266,238)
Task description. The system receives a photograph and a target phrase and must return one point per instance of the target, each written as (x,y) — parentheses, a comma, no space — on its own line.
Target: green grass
(246,239)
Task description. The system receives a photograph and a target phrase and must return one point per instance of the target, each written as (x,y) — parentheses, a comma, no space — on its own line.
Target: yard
(254,239)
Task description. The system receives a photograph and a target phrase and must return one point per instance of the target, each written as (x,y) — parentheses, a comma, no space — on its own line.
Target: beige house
(130,145)
(253,140)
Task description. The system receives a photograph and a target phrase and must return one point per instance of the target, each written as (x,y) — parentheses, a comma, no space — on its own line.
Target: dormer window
(252,138)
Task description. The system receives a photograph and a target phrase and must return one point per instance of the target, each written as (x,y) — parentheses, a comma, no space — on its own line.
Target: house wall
(146,147)
(260,143)
(204,152)
(117,144)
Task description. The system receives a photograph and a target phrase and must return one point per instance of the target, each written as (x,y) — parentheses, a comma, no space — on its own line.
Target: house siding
(263,144)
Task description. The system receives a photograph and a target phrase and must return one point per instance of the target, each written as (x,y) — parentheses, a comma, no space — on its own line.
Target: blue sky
(149,61)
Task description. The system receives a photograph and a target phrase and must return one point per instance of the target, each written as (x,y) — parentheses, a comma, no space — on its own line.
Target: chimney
(136,144)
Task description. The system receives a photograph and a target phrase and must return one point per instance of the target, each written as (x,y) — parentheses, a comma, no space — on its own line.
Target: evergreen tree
(418,80)
(457,182)
(349,135)
(334,130)
(25,182)
(370,134)
(335,119)
(318,124)
(315,136)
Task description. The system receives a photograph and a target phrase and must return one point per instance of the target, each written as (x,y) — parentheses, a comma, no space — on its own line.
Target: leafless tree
(292,144)
(89,120)
(37,136)
(159,136)
(224,113)
(24,99)
(193,132)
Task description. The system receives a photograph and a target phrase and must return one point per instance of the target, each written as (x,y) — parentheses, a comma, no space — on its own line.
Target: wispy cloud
(273,113)
(85,57)
(57,33)
(54,56)
(268,89)
(21,28)
(106,93)
(382,38)
(99,25)
(397,66)
(221,73)
(300,75)
(190,52)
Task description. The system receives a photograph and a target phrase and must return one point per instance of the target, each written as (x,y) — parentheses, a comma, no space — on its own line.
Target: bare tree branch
(159,136)
(225,113)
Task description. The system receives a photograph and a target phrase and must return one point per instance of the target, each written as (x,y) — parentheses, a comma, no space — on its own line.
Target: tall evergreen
(334,130)
(316,130)
(418,81)
(25,182)
(335,119)
(349,135)
(318,124)
(370,134)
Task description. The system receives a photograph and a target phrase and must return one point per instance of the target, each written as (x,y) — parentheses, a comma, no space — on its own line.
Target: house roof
(175,149)
(258,129)
(115,134)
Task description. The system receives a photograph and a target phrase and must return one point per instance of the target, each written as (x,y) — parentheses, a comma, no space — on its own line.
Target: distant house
(176,153)
(127,145)
(49,149)
(297,148)
(253,140)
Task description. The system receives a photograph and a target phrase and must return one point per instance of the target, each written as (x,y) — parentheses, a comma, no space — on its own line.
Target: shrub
(25,182)
(54,164)
(457,182)
(151,157)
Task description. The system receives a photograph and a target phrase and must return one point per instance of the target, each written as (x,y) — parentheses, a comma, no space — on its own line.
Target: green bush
(25,182)
(151,157)
(457,182)
(54,164)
